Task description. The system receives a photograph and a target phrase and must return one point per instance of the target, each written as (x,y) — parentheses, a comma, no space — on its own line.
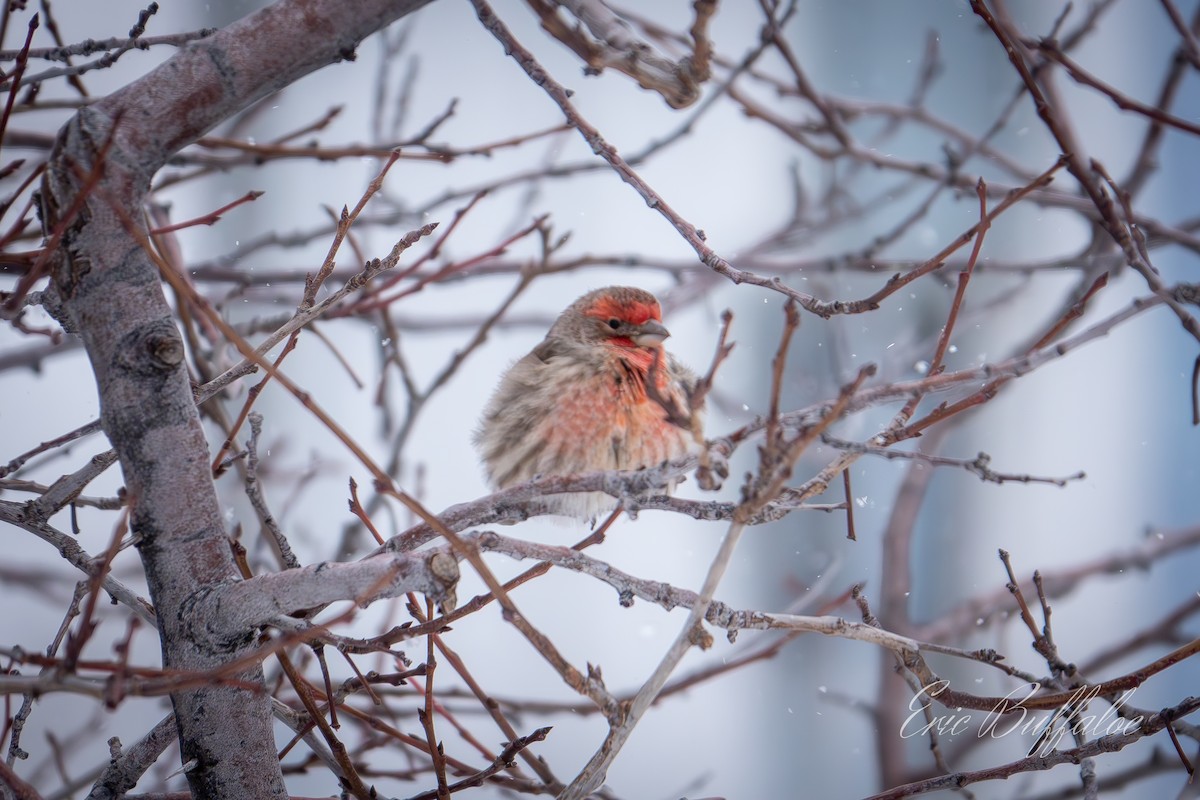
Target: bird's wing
(549,348)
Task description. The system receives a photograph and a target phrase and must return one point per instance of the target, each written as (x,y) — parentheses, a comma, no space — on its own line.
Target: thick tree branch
(248,604)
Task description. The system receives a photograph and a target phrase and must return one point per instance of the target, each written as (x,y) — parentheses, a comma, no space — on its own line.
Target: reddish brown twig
(87,624)
(14,77)
(425,714)
(212,218)
(252,394)
(964,277)
(1051,50)
(899,281)
(357,510)
(989,389)
(374,302)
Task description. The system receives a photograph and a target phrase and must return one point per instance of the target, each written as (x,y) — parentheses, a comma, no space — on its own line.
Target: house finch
(578,401)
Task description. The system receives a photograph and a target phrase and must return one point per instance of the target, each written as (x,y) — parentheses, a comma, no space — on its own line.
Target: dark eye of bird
(614,323)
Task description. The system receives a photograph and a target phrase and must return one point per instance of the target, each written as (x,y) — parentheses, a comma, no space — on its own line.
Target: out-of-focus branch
(613,44)
(1050,109)
(1154,547)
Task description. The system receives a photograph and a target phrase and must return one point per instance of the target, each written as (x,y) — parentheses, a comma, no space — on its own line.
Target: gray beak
(651,334)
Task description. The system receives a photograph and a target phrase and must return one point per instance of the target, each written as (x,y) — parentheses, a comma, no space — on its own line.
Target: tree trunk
(93,189)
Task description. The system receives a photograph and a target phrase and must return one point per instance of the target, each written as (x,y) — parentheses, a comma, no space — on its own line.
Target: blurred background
(915,84)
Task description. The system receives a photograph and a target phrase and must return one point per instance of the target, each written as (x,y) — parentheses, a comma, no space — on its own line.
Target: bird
(581,400)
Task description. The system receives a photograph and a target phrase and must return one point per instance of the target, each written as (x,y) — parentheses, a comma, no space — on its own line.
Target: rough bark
(112,298)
